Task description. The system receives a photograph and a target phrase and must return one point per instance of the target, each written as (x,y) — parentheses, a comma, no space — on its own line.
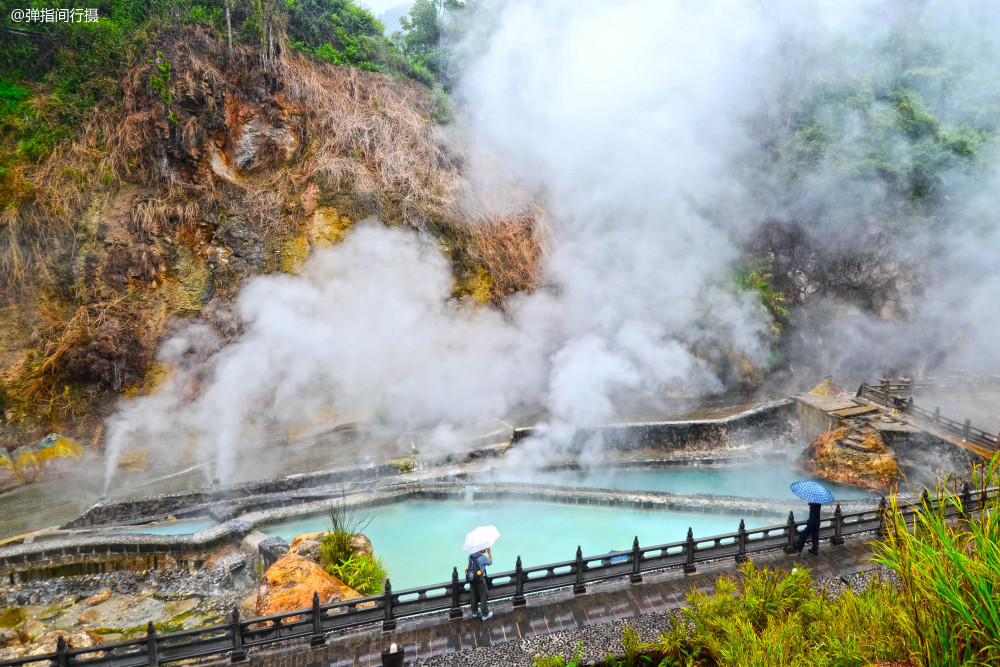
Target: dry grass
(364,142)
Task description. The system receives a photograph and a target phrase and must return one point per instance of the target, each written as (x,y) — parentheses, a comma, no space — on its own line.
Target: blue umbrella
(811,491)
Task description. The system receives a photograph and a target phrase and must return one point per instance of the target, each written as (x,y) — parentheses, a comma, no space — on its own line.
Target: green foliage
(365,574)
(362,572)
(757,276)
(950,609)
(558,660)
(345,520)
(423,38)
(770,617)
(159,79)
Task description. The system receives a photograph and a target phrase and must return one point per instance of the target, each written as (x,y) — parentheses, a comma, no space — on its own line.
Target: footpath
(551,622)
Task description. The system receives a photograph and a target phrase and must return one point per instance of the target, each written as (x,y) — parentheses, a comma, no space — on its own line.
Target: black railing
(238,635)
(886,394)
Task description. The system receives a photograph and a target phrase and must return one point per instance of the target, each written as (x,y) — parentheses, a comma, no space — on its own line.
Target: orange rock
(855,456)
(289,584)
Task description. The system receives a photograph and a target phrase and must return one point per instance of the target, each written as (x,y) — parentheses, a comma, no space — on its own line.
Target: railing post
(317,635)
(636,565)
(389,622)
(937,416)
(239,654)
(689,567)
(741,542)
(882,507)
(966,498)
(578,587)
(152,653)
(965,429)
(456,592)
(838,527)
(519,600)
(792,535)
(62,659)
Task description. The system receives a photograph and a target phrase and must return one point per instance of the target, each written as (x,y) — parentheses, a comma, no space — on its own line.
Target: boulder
(851,455)
(99,597)
(360,544)
(289,584)
(308,546)
(80,639)
(271,549)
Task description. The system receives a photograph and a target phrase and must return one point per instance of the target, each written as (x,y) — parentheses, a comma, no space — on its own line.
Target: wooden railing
(907,387)
(886,394)
(237,636)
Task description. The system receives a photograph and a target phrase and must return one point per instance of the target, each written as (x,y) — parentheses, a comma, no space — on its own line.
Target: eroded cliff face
(221,166)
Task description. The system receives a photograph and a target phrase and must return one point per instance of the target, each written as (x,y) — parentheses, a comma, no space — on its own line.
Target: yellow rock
(327,227)
(99,597)
(827,388)
(133,461)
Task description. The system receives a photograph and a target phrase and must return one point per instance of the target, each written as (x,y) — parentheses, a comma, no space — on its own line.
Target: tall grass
(950,569)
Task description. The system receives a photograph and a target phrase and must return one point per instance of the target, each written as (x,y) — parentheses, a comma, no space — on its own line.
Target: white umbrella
(480,538)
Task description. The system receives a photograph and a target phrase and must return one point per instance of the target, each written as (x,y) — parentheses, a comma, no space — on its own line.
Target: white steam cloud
(642,126)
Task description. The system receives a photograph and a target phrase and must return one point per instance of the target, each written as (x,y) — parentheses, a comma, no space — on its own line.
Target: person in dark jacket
(480,560)
(812,528)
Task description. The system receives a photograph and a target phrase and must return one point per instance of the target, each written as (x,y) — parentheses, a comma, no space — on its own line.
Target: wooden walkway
(435,635)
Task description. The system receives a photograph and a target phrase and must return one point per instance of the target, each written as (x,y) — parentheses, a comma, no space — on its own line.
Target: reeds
(949,562)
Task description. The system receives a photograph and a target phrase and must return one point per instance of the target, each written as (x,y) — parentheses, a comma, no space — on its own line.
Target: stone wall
(924,457)
(769,420)
(115,551)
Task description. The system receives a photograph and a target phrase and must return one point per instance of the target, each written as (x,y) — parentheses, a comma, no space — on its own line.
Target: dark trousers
(810,529)
(479,596)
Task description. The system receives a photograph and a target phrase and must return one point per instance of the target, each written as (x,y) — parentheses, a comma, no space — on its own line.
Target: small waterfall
(470,490)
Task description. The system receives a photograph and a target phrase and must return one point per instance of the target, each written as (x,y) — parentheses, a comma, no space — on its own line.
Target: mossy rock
(11,617)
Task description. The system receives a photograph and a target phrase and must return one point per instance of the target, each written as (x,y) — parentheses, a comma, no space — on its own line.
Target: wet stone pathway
(553,622)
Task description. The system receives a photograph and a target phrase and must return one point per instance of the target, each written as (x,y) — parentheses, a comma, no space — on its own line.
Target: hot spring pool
(420,542)
(181,527)
(754,481)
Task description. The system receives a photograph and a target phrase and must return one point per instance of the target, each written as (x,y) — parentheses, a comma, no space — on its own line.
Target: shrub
(345,520)
(365,574)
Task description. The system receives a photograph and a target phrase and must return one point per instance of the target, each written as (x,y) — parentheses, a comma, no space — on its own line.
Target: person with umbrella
(479,544)
(817,495)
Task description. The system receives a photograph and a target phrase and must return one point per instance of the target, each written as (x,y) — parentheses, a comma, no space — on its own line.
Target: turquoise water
(420,542)
(182,527)
(756,481)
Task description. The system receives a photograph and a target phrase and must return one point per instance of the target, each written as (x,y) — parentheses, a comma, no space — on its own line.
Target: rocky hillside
(221,164)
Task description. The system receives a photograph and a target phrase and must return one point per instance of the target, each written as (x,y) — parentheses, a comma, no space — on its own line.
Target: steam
(644,127)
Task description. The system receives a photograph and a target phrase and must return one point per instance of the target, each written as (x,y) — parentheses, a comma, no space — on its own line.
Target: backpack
(473,573)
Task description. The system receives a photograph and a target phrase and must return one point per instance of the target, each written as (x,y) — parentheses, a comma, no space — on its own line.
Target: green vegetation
(950,570)
(363,572)
(757,276)
(54,81)
(944,610)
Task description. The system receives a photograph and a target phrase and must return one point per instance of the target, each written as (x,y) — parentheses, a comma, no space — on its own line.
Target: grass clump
(363,572)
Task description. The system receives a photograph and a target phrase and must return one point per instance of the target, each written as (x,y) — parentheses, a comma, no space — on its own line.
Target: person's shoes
(475,614)
(488,616)
(798,552)
(813,553)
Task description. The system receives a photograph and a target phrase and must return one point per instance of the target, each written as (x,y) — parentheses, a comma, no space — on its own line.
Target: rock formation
(850,455)
(289,584)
